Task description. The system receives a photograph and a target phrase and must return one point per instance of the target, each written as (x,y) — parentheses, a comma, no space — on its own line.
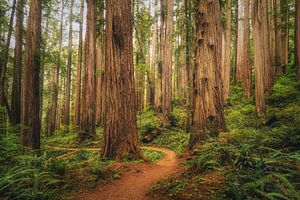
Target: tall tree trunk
(285,37)
(66,119)
(53,123)
(17,75)
(99,81)
(240,42)
(278,35)
(88,117)
(167,44)
(246,54)
(272,38)
(30,113)
(262,62)
(3,69)
(227,46)
(100,68)
(120,126)
(152,61)
(234,78)
(42,74)
(79,69)
(297,37)
(158,75)
(208,111)
(188,63)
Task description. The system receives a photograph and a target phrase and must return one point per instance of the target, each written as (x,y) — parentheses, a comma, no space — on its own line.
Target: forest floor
(136,180)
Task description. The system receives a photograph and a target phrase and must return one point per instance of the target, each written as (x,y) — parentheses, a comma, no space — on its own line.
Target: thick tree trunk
(240,42)
(88,117)
(17,76)
(297,37)
(227,47)
(246,54)
(3,69)
(30,113)
(79,69)
(262,62)
(66,119)
(208,111)
(167,45)
(53,123)
(120,126)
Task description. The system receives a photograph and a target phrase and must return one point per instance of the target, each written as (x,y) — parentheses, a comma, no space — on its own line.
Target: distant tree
(247,72)
(3,70)
(66,119)
(79,69)
(53,118)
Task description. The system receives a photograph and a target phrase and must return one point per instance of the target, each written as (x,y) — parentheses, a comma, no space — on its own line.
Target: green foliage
(173,136)
(27,183)
(152,155)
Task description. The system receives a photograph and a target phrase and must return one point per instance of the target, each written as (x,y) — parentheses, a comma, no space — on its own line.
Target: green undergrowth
(259,158)
(152,155)
(172,136)
(69,137)
(47,173)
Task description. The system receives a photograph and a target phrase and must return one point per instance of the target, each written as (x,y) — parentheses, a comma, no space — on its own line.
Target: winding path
(135,185)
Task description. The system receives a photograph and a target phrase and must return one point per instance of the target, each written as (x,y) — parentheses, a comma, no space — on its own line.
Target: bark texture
(79,70)
(227,48)
(120,125)
(17,76)
(66,119)
(167,47)
(208,111)
(30,113)
(262,62)
(246,54)
(88,113)
(240,42)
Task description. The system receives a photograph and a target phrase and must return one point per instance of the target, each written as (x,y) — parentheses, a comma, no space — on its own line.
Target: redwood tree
(79,69)
(17,76)
(227,46)
(246,54)
(88,111)
(167,46)
(120,125)
(30,113)
(66,119)
(53,118)
(262,62)
(208,111)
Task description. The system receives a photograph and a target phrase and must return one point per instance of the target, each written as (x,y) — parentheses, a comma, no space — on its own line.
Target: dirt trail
(133,185)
